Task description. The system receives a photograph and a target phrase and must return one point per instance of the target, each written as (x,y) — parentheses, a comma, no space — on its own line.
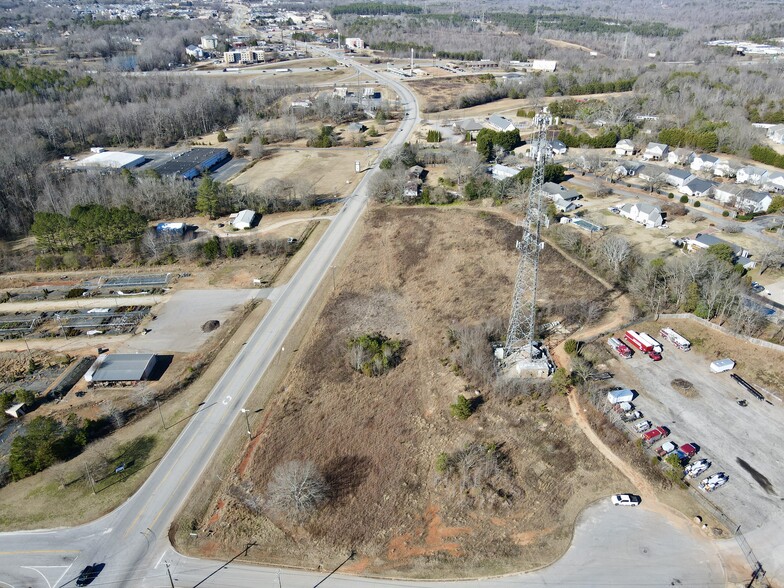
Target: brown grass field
(417,273)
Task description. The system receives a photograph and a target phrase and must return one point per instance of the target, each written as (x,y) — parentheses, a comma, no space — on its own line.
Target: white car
(626,500)
(642,426)
(714,482)
(695,469)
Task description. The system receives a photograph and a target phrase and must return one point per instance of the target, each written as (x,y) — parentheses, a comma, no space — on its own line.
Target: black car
(89,574)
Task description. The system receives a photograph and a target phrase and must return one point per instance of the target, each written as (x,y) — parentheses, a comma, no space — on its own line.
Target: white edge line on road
(40,572)
(160,559)
(64,573)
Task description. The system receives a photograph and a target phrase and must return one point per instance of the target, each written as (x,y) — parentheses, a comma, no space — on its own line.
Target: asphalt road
(131,539)
(613,546)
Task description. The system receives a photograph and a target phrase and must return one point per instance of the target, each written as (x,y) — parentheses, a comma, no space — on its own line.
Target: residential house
(503,172)
(558,147)
(645,214)
(625,147)
(703,241)
(552,190)
(562,205)
(697,188)
(776,134)
(655,152)
(411,189)
(751,201)
(774,182)
(194,51)
(727,193)
(678,177)
(751,175)
(415,172)
(724,168)
(628,168)
(500,123)
(210,42)
(469,125)
(680,156)
(650,172)
(703,162)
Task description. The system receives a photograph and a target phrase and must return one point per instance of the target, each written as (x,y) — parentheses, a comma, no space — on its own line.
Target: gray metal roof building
(121,367)
(193,162)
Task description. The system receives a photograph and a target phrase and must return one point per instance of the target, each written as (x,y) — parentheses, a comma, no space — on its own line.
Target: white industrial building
(355,43)
(244,219)
(113,159)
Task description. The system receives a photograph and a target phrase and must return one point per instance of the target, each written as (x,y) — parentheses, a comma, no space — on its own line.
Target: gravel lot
(724,431)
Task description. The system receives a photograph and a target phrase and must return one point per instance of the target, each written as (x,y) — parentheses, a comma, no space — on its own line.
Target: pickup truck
(686,451)
(631,415)
(654,435)
(666,449)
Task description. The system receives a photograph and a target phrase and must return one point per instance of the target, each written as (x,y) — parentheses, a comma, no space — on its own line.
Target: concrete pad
(177,327)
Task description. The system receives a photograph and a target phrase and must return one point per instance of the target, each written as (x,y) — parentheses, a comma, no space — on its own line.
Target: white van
(642,426)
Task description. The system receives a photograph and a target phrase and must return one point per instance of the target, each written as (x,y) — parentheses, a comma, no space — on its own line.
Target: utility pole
(160,413)
(90,477)
(168,571)
(245,411)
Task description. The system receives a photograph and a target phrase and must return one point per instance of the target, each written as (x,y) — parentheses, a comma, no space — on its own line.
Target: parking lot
(744,442)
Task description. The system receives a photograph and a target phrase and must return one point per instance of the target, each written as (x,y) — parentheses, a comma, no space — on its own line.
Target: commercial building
(245,55)
(210,42)
(121,367)
(354,43)
(193,162)
(112,160)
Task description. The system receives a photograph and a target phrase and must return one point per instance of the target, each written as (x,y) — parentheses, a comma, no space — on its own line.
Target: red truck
(686,451)
(619,347)
(654,435)
(644,343)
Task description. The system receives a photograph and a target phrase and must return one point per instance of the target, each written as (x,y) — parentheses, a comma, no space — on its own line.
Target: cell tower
(522,323)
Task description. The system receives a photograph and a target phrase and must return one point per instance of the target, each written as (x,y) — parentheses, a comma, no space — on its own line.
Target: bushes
(725,213)
(570,346)
(222,138)
(374,354)
(684,199)
(323,139)
(433,136)
(462,409)
(767,155)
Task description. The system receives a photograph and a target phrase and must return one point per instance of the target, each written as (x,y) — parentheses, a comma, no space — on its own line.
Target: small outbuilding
(16,410)
(245,219)
(617,396)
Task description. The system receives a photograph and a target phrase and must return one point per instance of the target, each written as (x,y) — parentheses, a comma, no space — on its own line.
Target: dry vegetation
(517,472)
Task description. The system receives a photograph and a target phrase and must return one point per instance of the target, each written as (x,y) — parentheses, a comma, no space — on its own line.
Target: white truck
(679,341)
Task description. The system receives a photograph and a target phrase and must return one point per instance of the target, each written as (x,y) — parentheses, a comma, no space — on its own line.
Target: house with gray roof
(727,193)
(628,168)
(774,182)
(776,134)
(697,188)
(751,174)
(678,177)
(751,201)
(500,123)
(680,156)
(625,147)
(724,168)
(703,241)
(655,152)
(552,190)
(703,162)
(650,172)
(646,214)
(468,125)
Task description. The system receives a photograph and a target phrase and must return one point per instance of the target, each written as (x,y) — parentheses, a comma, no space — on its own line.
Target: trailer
(644,343)
(618,396)
(666,449)
(619,347)
(637,342)
(679,341)
(721,365)
(622,407)
(654,344)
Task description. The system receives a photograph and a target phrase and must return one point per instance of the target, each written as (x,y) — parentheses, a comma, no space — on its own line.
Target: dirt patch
(416,273)
(684,388)
(210,326)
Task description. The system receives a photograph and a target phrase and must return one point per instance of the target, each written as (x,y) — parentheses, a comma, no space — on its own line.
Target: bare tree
(256,149)
(614,252)
(297,489)
(113,413)
(465,164)
(772,258)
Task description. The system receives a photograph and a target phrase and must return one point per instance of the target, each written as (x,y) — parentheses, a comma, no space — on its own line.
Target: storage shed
(121,367)
(721,365)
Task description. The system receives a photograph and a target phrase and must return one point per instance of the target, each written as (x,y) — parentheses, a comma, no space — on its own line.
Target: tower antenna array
(522,322)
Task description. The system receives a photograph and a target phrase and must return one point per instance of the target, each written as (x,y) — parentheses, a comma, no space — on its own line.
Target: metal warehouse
(121,367)
(193,162)
(113,159)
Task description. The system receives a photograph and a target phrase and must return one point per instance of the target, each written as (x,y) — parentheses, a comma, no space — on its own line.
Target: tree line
(374,8)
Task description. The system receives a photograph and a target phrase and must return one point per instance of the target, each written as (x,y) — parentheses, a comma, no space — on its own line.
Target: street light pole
(245,411)
(160,413)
